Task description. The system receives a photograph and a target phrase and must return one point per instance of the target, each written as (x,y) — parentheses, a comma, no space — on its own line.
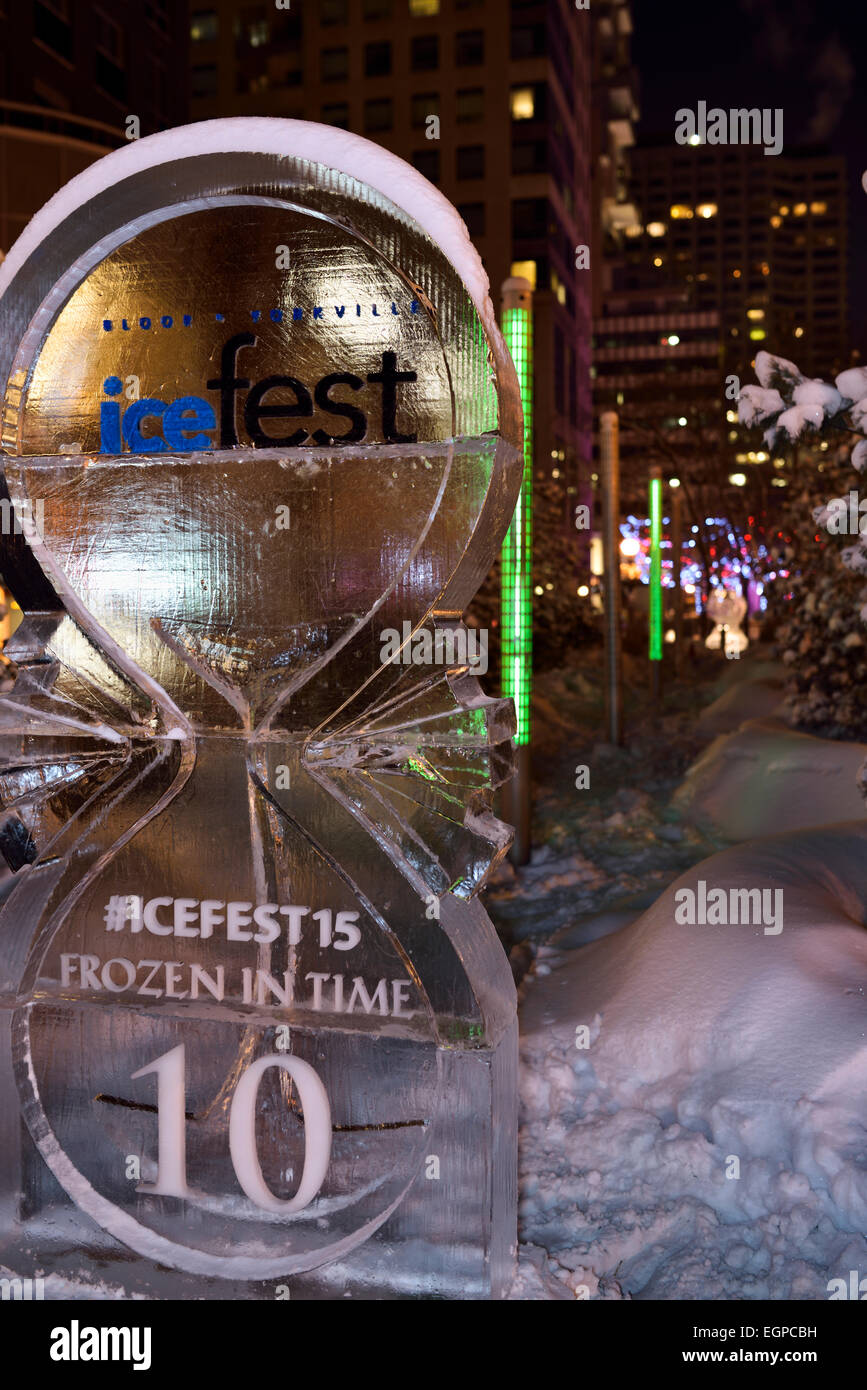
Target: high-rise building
(762,239)
(729,251)
(614,114)
(490,101)
(71,75)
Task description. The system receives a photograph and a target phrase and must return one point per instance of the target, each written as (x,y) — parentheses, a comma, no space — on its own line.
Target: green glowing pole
(516,593)
(655,605)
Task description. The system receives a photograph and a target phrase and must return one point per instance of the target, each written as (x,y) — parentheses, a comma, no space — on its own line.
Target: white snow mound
(711,1141)
(766,774)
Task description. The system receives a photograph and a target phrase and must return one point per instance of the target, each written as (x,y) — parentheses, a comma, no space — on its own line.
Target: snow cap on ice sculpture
(256,395)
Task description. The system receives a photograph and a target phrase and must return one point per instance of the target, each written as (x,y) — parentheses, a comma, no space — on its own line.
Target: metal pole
(516,589)
(610,459)
(654,613)
(676,552)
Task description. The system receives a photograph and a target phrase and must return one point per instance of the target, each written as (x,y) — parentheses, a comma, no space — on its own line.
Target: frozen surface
(706,1044)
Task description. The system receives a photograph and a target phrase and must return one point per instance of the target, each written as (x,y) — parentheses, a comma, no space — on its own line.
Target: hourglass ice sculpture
(256,1026)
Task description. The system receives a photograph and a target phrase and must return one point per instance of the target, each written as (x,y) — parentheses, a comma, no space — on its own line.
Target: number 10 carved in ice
(171,1125)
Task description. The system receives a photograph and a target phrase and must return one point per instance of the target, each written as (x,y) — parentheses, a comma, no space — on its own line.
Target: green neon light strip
(655,569)
(516,602)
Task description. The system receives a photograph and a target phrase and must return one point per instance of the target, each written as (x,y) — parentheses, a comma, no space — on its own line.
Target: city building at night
(761,239)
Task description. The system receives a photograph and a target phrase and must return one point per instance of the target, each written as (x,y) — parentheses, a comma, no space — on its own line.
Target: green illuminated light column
(516,602)
(655,606)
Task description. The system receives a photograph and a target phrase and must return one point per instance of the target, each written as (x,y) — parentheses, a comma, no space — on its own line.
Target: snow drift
(711,1141)
(766,774)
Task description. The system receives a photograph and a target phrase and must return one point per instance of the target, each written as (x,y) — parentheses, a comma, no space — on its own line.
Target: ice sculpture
(727,611)
(256,1023)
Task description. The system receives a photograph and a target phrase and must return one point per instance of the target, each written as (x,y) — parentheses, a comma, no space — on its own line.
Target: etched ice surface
(254,1017)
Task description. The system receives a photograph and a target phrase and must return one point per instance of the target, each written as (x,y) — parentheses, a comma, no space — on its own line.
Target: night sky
(807,56)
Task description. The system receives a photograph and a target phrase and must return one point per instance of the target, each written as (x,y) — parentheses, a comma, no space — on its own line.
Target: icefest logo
(189,422)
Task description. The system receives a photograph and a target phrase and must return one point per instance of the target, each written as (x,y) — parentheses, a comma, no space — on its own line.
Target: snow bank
(756,699)
(768,775)
(336,149)
(710,1141)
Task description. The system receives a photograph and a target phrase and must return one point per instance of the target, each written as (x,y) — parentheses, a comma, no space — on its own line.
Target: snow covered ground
(710,1140)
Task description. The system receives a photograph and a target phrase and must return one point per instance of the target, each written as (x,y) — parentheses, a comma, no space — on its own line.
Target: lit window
(420,9)
(656,229)
(765,268)
(755,313)
(738,479)
(680,210)
(558,287)
(776,221)
(784,210)
(731,416)
(800,209)
(819,209)
(527,269)
(203,26)
(799,332)
(634,229)
(707,209)
(757,334)
(257,33)
(523,103)
(657,260)
(736,274)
